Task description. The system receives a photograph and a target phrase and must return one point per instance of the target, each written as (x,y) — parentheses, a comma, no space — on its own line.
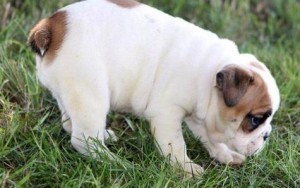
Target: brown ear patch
(46,37)
(233,82)
(125,3)
(255,102)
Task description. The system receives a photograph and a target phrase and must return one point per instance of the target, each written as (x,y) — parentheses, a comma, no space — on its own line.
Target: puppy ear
(233,82)
(40,37)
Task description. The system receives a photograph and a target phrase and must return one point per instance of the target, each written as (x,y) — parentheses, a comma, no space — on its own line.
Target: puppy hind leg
(110,136)
(87,108)
(65,118)
(66,123)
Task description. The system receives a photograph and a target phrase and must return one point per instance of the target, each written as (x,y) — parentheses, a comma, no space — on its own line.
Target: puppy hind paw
(92,147)
(67,125)
(110,136)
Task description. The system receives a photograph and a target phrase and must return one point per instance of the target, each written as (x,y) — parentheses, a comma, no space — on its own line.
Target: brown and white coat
(101,55)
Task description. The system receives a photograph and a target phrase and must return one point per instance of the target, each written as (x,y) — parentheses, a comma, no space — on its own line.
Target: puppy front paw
(229,157)
(238,158)
(190,168)
(226,156)
(193,169)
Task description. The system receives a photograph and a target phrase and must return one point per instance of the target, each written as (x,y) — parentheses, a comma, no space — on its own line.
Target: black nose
(266,136)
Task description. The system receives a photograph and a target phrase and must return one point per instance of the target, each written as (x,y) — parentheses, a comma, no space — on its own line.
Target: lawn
(36,152)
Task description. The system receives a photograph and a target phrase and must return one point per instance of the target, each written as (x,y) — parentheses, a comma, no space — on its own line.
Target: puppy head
(248,97)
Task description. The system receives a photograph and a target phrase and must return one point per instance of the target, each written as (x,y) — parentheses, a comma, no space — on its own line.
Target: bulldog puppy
(101,55)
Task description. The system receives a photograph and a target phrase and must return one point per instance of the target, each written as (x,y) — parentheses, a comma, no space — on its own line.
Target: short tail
(47,36)
(40,37)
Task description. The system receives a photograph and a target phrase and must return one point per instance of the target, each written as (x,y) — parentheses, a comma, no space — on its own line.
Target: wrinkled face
(248,97)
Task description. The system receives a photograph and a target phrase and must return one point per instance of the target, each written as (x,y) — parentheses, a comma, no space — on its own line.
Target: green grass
(36,152)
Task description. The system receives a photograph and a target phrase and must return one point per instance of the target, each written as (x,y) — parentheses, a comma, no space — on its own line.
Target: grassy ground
(36,152)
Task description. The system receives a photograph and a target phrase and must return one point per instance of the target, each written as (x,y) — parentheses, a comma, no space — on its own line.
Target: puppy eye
(251,121)
(255,121)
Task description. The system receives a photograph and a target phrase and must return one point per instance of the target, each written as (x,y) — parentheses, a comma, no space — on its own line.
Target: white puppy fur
(100,55)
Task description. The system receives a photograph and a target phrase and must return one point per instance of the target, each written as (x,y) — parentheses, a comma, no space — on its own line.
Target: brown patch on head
(253,100)
(125,3)
(233,83)
(46,37)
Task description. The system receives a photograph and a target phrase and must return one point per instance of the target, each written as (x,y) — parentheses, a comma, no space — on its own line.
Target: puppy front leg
(167,131)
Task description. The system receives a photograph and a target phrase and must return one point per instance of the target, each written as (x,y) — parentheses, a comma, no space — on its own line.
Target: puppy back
(47,36)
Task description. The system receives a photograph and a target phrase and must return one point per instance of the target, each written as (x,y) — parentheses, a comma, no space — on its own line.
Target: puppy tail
(40,37)
(48,35)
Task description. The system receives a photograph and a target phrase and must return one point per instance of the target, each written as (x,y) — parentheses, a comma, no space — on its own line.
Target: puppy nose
(266,136)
